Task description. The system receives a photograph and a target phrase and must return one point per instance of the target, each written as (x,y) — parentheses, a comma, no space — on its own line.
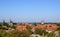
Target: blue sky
(30,10)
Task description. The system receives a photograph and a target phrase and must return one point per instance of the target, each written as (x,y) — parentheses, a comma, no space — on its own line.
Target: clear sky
(30,10)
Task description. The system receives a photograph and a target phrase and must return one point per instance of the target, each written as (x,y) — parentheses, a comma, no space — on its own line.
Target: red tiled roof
(49,27)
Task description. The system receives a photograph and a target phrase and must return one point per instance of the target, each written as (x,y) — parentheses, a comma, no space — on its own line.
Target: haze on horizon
(30,10)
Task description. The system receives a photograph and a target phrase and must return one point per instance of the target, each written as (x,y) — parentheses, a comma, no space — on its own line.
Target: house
(20,27)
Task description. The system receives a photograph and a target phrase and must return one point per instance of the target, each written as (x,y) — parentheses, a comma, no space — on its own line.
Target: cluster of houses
(49,27)
(44,26)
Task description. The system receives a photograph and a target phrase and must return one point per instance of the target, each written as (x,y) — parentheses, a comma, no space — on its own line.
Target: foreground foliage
(3,33)
(40,31)
(51,34)
(16,33)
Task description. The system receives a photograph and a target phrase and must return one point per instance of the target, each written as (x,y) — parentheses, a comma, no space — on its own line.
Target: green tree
(23,34)
(34,24)
(58,29)
(0,25)
(29,29)
(40,31)
(44,32)
(51,34)
(58,24)
(5,24)
(12,33)
(16,33)
(3,33)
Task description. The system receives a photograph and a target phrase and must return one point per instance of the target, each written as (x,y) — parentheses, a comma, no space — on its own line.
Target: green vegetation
(0,25)
(12,33)
(51,34)
(5,24)
(29,29)
(11,26)
(16,33)
(40,31)
(58,29)
(3,33)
